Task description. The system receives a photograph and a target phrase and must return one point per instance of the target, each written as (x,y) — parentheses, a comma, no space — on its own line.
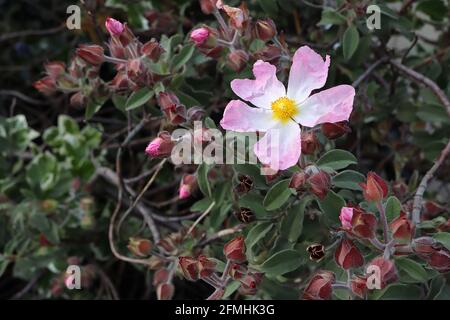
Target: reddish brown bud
(189,267)
(187,186)
(250,283)
(364,224)
(140,247)
(335,130)
(298,181)
(195,114)
(78,100)
(264,29)
(238,17)
(433,252)
(402,228)
(55,69)
(400,189)
(92,54)
(237,60)
(245,215)
(245,184)
(359,286)
(237,271)
(270,53)
(320,183)
(165,291)
(316,251)
(152,49)
(375,189)
(388,272)
(309,142)
(45,85)
(171,107)
(234,250)
(160,276)
(205,266)
(208,6)
(320,286)
(347,255)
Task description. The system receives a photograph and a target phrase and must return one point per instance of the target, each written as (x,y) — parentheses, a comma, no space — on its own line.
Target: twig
(369,70)
(208,210)
(22,97)
(221,234)
(418,197)
(27,33)
(29,285)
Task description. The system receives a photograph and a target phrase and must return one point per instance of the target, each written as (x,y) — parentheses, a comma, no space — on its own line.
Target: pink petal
(308,72)
(262,91)
(331,105)
(280,147)
(346,217)
(238,116)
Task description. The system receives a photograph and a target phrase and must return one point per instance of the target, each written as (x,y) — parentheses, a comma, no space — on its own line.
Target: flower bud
(92,54)
(154,263)
(402,228)
(113,26)
(346,217)
(388,272)
(43,241)
(199,35)
(152,49)
(270,53)
(55,69)
(320,286)
(238,17)
(320,183)
(160,276)
(245,184)
(205,266)
(424,245)
(234,250)
(375,189)
(245,215)
(140,247)
(298,181)
(171,107)
(440,260)
(359,286)
(195,114)
(309,142)
(120,82)
(208,6)
(161,146)
(250,283)
(347,255)
(316,251)
(237,60)
(364,224)
(432,209)
(264,29)
(237,271)
(188,183)
(46,86)
(434,253)
(78,100)
(165,291)
(335,130)
(189,267)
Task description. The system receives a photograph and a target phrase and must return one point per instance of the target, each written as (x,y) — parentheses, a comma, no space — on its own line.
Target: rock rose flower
(278,112)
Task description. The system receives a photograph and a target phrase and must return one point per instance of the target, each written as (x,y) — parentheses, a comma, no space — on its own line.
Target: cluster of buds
(318,182)
(357,222)
(196,268)
(172,108)
(164,287)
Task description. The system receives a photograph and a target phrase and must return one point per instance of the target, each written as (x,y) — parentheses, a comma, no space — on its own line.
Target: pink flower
(113,26)
(346,217)
(279,112)
(199,36)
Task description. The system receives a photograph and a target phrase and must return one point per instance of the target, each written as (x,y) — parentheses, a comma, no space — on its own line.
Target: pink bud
(187,185)
(113,26)
(160,146)
(346,217)
(199,35)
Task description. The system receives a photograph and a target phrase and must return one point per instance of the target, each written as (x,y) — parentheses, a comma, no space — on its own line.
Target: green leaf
(269,6)
(202,179)
(413,269)
(350,42)
(231,288)
(336,159)
(180,59)
(257,233)
(397,291)
(393,208)
(201,205)
(444,238)
(282,262)
(138,98)
(277,195)
(94,105)
(348,179)
(435,9)
(254,200)
(292,225)
(331,206)
(331,16)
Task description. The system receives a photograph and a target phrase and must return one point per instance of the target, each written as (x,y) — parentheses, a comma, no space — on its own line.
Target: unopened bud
(264,29)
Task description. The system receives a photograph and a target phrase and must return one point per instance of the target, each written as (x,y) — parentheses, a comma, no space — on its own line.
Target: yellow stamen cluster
(284,109)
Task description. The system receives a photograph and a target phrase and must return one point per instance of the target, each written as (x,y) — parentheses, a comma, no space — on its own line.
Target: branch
(369,70)
(420,78)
